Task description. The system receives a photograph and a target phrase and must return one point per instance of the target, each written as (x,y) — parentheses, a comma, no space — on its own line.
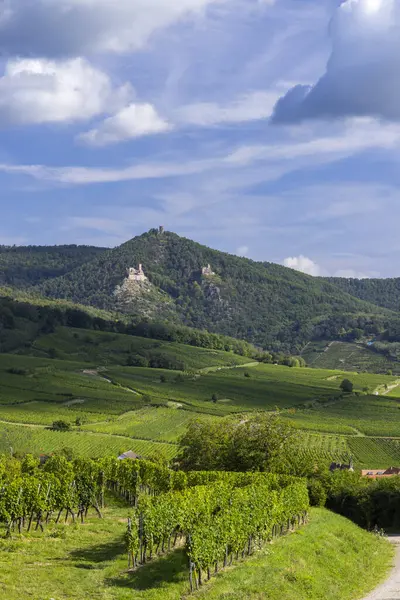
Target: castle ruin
(136,274)
(207,271)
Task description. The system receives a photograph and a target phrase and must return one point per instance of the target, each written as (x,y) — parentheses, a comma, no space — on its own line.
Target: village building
(130,455)
(380,473)
(342,467)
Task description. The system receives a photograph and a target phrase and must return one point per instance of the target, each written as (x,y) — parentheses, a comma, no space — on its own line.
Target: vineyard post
(141,538)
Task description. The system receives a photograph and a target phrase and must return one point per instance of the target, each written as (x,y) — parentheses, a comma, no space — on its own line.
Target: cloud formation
(303,264)
(363,73)
(249,107)
(133,121)
(77,27)
(36,91)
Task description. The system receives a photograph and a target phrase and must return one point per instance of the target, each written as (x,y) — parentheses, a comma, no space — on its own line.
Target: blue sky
(269,129)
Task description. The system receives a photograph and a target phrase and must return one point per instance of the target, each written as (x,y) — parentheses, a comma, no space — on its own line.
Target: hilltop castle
(207,271)
(136,274)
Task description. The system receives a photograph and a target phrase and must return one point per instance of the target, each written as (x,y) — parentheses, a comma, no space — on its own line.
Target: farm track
(390,590)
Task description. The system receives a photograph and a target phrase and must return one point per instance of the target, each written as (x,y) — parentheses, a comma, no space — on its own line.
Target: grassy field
(327,559)
(347,356)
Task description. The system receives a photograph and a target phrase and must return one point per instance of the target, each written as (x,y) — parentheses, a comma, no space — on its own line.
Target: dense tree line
(21,322)
(382,292)
(369,503)
(26,266)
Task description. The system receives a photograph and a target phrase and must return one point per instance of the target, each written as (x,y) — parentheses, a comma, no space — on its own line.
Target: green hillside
(382,292)
(267,304)
(25,266)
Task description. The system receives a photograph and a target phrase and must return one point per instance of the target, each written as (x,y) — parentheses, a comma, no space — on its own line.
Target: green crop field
(374,416)
(105,349)
(348,357)
(372,453)
(331,447)
(38,440)
(268,386)
(148,409)
(44,413)
(163,424)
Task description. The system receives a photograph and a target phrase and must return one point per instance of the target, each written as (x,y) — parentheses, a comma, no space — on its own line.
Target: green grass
(330,558)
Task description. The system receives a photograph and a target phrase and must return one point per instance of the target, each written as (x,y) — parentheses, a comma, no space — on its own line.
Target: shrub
(316,493)
(61,426)
(347,386)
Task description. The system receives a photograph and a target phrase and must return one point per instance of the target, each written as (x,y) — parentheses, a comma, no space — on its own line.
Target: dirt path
(391,388)
(390,590)
(224,368)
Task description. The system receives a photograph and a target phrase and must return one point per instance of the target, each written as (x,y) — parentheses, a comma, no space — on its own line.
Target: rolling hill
(264,303)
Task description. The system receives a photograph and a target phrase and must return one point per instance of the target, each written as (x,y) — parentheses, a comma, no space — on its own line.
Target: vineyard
(106,349)
(38,440)
(162,424)
(348,357)
(112,408)
(220,516)
(372,453)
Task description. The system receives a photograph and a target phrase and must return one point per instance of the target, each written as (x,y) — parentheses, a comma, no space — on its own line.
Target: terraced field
(266,387)
(38,440)
(114,408)
(103,349)
(347,356)
(162,424)
(374,453)
(375,416)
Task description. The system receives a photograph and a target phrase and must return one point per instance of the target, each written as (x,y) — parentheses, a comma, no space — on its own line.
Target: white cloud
(362,75)
(242,251)
(303,264)
(351,274)
(77,27)
(250,107)
(275,159)
(42,91)
(133,121)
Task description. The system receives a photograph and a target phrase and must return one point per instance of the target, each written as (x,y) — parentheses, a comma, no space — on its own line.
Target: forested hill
(25,266)
(265,303)
(382,292)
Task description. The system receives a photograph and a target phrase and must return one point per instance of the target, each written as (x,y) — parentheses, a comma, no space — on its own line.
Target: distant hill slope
(382,292)
(25,266)
(264,303)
